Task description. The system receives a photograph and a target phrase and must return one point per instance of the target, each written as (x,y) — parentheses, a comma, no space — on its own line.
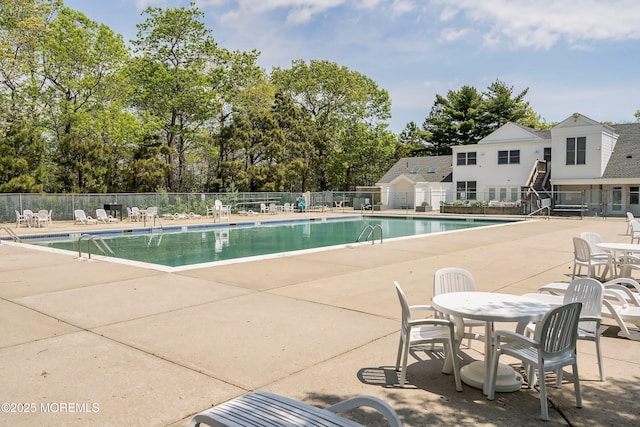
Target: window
(634,195)
(514,194)
(466,190)
(503,194)
(508,157)
(466,158)
(492,193)
(547,154)
(514,157)
(577,150)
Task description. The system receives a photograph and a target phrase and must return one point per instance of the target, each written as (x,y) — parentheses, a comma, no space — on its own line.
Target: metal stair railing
(372,235)
(97,241)
(11,233)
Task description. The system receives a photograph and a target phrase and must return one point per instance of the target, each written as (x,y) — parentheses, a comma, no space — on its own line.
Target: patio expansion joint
(122,343)
(323,361)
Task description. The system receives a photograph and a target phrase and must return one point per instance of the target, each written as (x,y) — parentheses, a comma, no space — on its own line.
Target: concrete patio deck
(127,346)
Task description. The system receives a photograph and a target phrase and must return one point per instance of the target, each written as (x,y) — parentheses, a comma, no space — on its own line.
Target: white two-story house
(579,162)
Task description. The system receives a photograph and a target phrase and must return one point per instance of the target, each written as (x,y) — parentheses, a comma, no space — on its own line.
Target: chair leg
(531,376)
(599,355)
(400,346)
(559,374)
(454,357)
(544,407)
(576,385)
(405,356)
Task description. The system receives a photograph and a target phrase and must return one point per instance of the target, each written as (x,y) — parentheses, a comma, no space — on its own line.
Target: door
(616,200)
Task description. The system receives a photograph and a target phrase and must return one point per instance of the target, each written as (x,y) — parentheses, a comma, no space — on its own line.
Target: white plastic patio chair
(264,208)
(583,257)
(453,279)
(137,214)
(101,215)
(635,230)
(421,331)
(30,216)
(590,292)
(42,218)
(630,218)
(20,219)
(133,214)
(552,348)
(593,239)
(80,216)
(151,213)
(221,212)
(260,408)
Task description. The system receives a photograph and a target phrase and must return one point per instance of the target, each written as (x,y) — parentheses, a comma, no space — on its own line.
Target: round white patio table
(627,249)
(490,307)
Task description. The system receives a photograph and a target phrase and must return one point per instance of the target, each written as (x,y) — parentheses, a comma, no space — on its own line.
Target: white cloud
(401,7)
(452,34)
(542,23)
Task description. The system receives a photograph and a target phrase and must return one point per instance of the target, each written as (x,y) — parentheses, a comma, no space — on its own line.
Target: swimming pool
(205,244)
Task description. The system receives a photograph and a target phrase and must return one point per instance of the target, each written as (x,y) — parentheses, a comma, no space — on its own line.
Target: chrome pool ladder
(372,233)
(97,241)
(11,233)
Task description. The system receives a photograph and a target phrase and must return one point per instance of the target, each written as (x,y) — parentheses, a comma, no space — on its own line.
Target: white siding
(489,174)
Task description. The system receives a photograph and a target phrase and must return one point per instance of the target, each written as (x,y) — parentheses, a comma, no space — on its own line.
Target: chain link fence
(63,205)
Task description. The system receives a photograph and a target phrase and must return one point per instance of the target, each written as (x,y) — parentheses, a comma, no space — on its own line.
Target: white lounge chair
(80,216)
(624,310)
(101,215)
(260,408)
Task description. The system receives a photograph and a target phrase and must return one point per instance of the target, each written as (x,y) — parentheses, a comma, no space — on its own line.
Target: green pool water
(182,247)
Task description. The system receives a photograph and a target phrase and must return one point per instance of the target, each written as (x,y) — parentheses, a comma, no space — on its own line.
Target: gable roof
(421,169)
(513,132)
(625,159)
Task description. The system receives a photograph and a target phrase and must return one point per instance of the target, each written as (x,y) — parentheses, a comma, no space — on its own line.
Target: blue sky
(573,55)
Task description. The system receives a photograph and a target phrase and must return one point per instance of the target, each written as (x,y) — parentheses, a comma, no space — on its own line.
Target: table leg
(476,374)
(488,355)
